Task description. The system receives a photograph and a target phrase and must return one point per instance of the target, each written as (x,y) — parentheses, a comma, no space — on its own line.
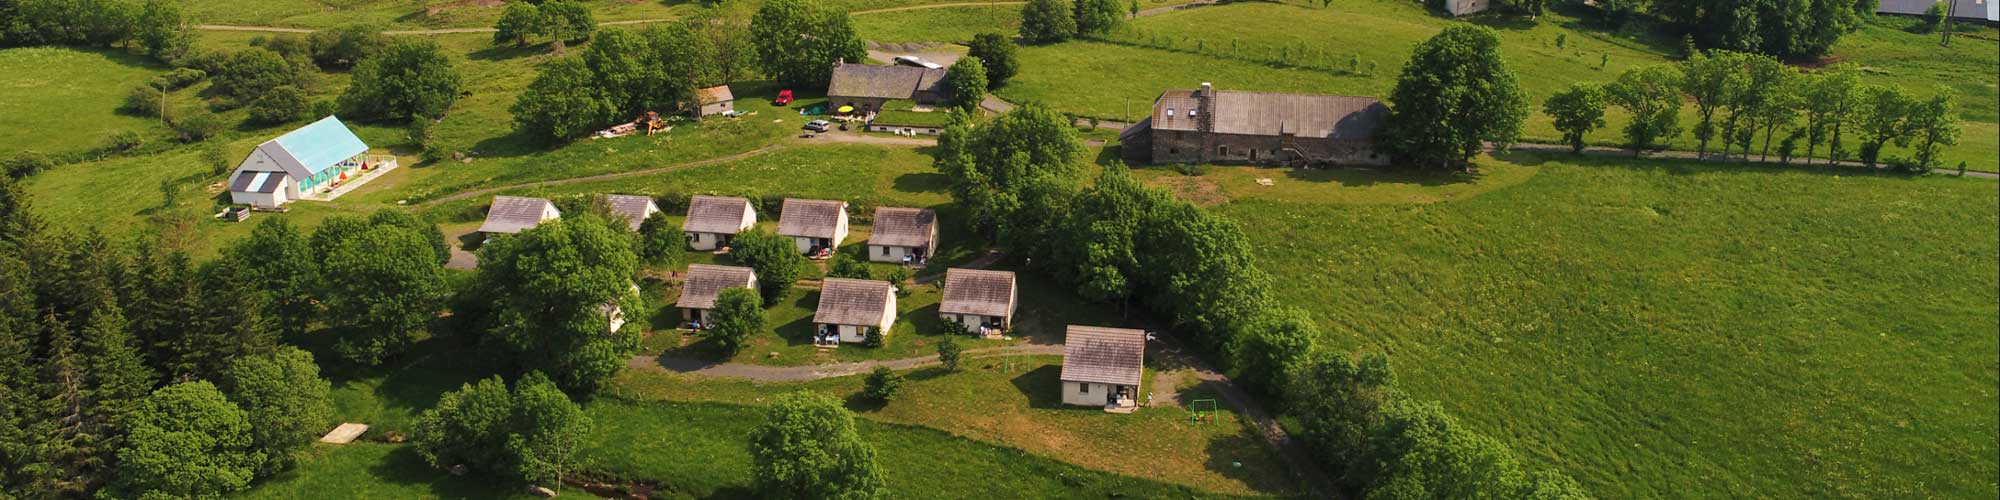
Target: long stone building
(1211,126)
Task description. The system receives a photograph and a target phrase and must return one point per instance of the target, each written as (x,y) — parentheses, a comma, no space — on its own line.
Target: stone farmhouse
(1210,126)
(902,235)
(868,87)
(713,220)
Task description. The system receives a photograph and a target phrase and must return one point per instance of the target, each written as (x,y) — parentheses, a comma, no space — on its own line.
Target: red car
(784,97)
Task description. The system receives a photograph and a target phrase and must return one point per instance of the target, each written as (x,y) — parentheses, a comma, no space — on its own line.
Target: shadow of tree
(1042,386)
(800,331)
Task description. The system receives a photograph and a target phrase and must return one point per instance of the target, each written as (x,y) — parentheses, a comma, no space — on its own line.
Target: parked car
(817,125)
(784,97)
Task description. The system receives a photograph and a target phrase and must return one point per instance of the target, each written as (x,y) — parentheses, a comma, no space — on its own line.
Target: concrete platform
(344,434)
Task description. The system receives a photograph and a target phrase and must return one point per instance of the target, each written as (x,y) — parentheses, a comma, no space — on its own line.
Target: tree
(661,242)
(468,427)
(1014,173)
(881,384)
(1420,452)
(381,285)
(1885,120)
(846,266)
(281,104)
(562,103)
(409,78)
(997,53)
(251,72)
(1272,349)
(949,351)
(520,20)
(559,287)
(1048,21)
(1651,95)
(1576,111)
(1764,97)
(799,42)
(735,317)
(1455,95)
(285,400)
(1791,29)
(1097,17)
(187,441)
(1337,400)
(1933,18)
(1933,124)
(626,72)
(1713,80)
(197,125)
(547,430)
(807,447)
(164,29)
(1828,97)
(967,83)
(565,21)
(344,46)
(774,258)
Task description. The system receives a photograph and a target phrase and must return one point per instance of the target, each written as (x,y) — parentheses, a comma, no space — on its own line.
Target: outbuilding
(849,309)
(713,220)
(981,300)
(1103,367)
(513,214)
(716,100)
(867,88)
(294,166)
(816,226)
(706,282)
(903,235)
(634,209)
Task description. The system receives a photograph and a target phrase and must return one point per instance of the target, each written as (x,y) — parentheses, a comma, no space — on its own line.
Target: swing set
(1203,411)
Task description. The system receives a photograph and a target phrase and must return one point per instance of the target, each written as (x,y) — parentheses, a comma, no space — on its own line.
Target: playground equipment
(1201,411)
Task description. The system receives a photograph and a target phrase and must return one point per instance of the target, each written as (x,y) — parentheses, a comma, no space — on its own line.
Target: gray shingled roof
(1966,9)
(715,214)
(513,214)
(1316,116)
(845,301)
(1103,355)
(718,93)
(810,218)
(903,227)
(973,291)
(705,282)
(888,82)
(633,208)
(1178,102)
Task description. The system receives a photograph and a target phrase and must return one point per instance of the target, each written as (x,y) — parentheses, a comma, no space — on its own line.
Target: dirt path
(615,175)
(439,31)
(1170,8)
(763,373)
(933,6)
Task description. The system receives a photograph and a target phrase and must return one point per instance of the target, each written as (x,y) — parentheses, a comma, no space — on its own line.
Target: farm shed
(1102,367)
(513,214)
(903,235)
(867,87)
(293,166)
(1208,126)
(849,309)
(981,300)
(634,209)
(713,220)
(816,226)
(704,283)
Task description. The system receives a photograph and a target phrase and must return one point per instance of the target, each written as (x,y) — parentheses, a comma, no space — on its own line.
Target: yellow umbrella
(846,109)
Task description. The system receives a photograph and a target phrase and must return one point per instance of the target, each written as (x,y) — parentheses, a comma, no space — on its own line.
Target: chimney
(1205,89)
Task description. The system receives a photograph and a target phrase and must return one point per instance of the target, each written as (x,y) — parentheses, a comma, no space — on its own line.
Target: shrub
(216,155)
(791,451)
(252,72)
(735,317)
(124,140)
(882,384)
(344,46)
(281,104)
(948,350)
(846,266)
(27,163)
(197,125)
(873,338)
(900,279)
(412,78)
(661,242)
(178,79)
(143,100)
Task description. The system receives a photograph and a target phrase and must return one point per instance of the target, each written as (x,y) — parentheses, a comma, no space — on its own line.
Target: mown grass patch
(1222,183)
(374,470)
(1670,328)
(948,24)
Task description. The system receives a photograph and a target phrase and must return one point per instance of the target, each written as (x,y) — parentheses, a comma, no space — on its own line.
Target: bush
(216,155)
(344,46)
(27,163)
(280,105)
(123,141)
(252,72)
(948,349)
(661,242)
(900,278)
(882,384)
(846,266)
(790,451)
(735,317)
(873,338)
(198,125)
(178,79)
(143,100)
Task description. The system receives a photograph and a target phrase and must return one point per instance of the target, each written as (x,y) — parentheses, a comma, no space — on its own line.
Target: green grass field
(1229,45)
(955,24)
(1662,329)
(59,100)
(365,469)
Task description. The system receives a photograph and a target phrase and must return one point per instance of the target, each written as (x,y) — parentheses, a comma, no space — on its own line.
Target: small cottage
(981,300)
(713,220)
(513,214)
(715,100)
(704,283)
(849,309)
(294,166)
(817,226)
(634,209)
(903,235)
(1463,7)
(1102,367)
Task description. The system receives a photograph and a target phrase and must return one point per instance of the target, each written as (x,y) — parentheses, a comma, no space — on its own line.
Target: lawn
(953,24)
(1232,46)
(1018,408)
(1672,329)
(61,100)
(373,470)
(403,14)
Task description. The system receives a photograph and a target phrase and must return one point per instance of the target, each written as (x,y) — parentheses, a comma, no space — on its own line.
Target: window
(1191,113)
(1082,388)
(1222,150)
(1170,112)
(885,250)
(1173,151)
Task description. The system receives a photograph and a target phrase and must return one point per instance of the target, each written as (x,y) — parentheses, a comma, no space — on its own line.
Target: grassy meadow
(59,100)
(1660,328)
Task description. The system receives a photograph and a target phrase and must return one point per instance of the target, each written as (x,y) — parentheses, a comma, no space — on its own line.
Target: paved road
(615,175)
(933,6)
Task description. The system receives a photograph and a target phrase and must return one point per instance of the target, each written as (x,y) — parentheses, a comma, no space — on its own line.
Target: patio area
(376,165)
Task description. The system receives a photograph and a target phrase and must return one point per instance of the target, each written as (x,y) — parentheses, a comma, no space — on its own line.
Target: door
(1253,154)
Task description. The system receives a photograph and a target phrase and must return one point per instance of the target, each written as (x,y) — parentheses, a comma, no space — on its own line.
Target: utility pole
(1950,9)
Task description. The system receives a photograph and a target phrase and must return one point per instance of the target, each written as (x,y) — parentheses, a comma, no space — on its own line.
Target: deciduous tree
(1048,21)
(1651,94)
(998,54)
(562,103)
(164,29)
(775,259)
(1576,111)
(1885,119)
(798,42)
(409,78)
(967,83)
(285,400)
(381,284)
(1097,17)
(561,284)
(1456,94)
(187,441)
(661,242)
(881,384)
(1934,125)
(807,448)
(735,317)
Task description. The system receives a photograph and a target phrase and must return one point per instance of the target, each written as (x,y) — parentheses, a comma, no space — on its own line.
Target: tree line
(1053,21)
(1119,241)
(1748,103)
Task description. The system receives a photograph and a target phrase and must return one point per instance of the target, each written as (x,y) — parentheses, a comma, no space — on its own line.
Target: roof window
(1170,112)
